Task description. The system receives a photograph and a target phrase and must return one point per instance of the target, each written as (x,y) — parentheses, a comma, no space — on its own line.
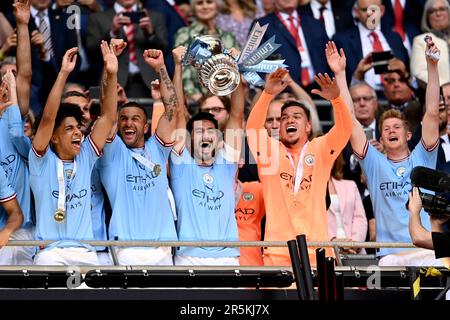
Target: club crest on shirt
(309,160)
(247,196)
(69,173)
(401,171)
(207,178)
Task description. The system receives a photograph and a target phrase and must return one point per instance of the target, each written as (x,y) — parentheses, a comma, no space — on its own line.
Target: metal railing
(142,243)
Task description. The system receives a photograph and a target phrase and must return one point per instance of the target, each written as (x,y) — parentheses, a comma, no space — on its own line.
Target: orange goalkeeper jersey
(289,214)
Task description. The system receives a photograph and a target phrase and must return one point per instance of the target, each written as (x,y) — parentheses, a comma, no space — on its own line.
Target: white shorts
(411,258)
(183,260)
(161,256)
(23,256)
(104,259)
(73,256)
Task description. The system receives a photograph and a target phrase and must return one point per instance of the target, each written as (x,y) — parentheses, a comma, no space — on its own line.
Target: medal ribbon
(62,185)
(143,160)
(299,171)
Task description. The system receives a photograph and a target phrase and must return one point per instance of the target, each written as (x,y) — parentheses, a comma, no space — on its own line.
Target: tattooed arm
(167,123)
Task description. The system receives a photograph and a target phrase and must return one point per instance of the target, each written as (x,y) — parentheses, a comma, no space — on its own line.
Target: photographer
(437,240)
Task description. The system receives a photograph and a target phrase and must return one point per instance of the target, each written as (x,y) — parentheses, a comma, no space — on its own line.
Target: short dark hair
(69,94)
(136,105)
(67,110)
(201,116)
(293,103)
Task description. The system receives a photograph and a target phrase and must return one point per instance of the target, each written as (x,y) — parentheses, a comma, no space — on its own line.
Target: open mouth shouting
(129,134)
(76,143)
(291,129)
(392,139)
(205,144)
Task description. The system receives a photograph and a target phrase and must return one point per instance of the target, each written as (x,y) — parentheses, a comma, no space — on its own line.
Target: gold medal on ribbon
(156,170)
(59,215)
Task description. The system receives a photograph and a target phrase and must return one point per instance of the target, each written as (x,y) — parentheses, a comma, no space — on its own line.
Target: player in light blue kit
(388,176)
(97,197)
(133,172)
(14,145)
(61,175)
(9,223)
(202,180)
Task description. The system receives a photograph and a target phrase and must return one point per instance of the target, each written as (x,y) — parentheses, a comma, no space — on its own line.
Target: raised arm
(47,123)
(339,134)
(167,124)
(14,119)
(337,62)
(430,123)
(276,82)
(180,138)
(178,54)
(158,106)
(234,128)
(22,15)
(108,102)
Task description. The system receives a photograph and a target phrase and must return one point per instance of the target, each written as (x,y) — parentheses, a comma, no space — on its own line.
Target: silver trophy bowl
(219,73)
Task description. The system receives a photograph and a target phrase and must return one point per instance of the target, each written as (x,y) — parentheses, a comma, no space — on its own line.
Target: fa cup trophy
(217,70)
(220,73)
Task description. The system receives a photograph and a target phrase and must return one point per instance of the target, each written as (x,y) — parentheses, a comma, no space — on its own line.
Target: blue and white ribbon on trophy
(252,57)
